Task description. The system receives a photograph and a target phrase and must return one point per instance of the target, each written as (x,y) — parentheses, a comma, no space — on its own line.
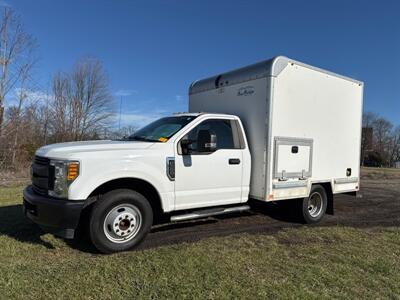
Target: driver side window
(222,129)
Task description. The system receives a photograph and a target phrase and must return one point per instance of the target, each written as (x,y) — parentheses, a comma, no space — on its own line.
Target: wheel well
(141,186)
(328,189)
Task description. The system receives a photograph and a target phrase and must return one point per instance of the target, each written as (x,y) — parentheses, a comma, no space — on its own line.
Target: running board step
(209,213)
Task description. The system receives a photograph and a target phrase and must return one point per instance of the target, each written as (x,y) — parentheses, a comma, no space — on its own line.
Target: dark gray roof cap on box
(271,67)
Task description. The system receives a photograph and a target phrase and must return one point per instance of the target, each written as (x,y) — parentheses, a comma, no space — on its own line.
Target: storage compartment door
(292,157)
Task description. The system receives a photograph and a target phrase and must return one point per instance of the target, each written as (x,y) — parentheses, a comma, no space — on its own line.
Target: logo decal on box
(246,91)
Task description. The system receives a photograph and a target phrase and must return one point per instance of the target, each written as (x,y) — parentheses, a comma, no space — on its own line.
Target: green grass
(308,262)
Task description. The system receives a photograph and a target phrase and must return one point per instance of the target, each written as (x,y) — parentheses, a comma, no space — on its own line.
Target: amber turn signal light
(72,171)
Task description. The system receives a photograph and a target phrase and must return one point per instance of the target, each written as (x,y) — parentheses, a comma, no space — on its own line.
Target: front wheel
(119,221)
(314,206)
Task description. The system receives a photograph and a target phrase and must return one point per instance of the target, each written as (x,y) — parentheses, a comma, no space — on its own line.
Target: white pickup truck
(275,130)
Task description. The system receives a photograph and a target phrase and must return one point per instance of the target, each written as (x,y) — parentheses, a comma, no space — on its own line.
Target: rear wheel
(119,221)
(314,206)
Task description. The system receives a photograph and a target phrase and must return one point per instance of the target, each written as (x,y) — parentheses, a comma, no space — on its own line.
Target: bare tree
(82,101)
(382,132)
(21,96)
(16,48)
(60,107)
(122,133)
(367,134)
(91,97)
(380,144)
(368,119)
(394,147)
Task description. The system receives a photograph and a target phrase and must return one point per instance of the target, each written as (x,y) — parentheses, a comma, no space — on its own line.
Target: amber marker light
(72,171)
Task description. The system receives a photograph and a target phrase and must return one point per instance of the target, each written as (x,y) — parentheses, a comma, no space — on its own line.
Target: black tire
(121,203)
(314,213)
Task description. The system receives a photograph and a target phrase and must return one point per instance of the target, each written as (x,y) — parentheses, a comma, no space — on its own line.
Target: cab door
(208,165)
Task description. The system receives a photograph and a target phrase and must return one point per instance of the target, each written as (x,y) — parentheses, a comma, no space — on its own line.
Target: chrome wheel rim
(315,203)
(122,223)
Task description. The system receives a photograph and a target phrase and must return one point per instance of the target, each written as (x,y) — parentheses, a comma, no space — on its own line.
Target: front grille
(41,160)
(42,175)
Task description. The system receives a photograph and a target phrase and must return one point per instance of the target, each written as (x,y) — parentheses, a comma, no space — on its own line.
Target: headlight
(65,172)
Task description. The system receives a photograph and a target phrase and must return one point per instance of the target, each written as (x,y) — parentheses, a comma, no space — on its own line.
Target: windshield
(162,129)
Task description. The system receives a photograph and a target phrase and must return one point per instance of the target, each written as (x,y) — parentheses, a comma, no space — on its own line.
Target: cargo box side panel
(325,109)
(247,100)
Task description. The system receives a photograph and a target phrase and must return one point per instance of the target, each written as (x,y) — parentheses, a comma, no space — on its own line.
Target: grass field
(380,173)
(305,262)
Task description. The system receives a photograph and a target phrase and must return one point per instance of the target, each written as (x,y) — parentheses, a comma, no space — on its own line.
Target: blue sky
(153,50)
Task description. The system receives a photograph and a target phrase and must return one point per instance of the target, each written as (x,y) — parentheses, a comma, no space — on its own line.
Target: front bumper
(57,216)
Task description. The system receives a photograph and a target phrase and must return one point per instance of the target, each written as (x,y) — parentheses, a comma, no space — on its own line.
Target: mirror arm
(185,147)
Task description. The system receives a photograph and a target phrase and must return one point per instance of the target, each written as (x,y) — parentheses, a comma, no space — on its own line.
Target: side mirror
(213,143)
(186,146)
(207,141)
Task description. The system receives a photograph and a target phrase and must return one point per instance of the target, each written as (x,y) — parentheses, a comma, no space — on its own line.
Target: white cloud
(30,96)
(123,92)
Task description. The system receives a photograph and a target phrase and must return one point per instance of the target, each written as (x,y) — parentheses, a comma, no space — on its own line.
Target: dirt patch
(378,207)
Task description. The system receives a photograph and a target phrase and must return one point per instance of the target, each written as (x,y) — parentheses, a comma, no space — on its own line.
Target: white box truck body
(303,124)
(271,131)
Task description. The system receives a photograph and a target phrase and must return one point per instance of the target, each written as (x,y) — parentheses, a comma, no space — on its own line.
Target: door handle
(234,161)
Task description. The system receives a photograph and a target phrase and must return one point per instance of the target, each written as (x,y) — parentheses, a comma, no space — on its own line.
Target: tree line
(380,143)
(76,106)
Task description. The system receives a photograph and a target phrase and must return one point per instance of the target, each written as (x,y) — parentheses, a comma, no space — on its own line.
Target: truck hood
(65,150)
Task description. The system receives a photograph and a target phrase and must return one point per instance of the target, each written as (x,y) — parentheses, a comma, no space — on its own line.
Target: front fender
(94,176)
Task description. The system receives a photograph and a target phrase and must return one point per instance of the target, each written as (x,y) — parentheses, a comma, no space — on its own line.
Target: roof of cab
(270,67)
(186,114)
(196,114)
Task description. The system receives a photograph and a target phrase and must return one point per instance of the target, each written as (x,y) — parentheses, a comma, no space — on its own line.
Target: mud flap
(330,208)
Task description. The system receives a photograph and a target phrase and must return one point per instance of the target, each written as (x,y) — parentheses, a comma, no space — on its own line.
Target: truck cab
(178,163)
